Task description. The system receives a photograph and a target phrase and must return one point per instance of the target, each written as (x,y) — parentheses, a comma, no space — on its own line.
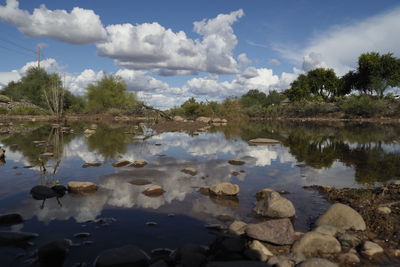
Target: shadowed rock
(10,219)
(53,253)
(123,256)
(279,232)
(15,238)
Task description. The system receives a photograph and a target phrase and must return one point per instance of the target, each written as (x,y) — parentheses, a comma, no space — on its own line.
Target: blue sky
(168,51)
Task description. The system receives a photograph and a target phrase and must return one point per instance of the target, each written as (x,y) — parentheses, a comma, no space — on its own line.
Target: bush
(3,110)
(28,111)
(363,106)
(310,108)
(4,99)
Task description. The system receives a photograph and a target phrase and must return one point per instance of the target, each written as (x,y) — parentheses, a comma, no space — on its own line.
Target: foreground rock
(53,253)
(262,251)
(121,163)
(224,189)
(264,141)
(317,262)
(314,244)
(82,187)
(139,163)
(154,191)
(15,238)
(237,227)
(124,256)
(370,249)
(275,206)
(10,219)
(190,171)
(279,232)
(236,264)
(343,217)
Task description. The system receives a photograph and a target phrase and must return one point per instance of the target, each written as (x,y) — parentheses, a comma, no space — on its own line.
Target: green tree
(254,98)
(299,89)
(109,92)
(274,98)
(323,82)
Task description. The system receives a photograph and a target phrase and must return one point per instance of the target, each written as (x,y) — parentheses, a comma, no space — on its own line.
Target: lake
(333,154)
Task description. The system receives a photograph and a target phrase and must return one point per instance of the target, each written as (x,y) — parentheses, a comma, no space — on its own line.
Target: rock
(235,264)
(15,238)
(235,173)
(53,253)
(349,258)
(2,153)
(188,253)
(190,171)
(237,227)
(348,240)
(82,187)
(262,250)
(284,260)
(317,262)
(140,182)
(205,190)
(178,118)
(314,244)
(384,210)
(89,132)
(92,164)
(231,202)
(151,224)
(123,256)
(328,230)
(342,216)
(215,226)
(275,206)
(225,189)
(262,193)
(154,191)
(47,154)
(226,248)
(10,219)
(369,249)
(264,141)
(224,218)
(236,162)
(121,163)
(81,235)
(139,163)
(203,119)
(279,232)
(93,126)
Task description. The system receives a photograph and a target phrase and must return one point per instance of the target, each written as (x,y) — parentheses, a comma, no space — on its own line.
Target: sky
(169,51)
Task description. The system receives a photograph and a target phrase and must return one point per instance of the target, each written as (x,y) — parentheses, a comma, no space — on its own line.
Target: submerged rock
(279,232)
(53,253)
(236,162)
(91,164)
(342,216)
(225,189)
(15,238)
(190,171)
(154,191)
(140,182)
(82,187)
(314,244)
(139,163)
(121,163)
(10,219)
(275,206)
(123,256)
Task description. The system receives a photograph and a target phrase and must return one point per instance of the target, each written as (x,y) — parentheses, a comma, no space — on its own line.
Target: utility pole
(38,56)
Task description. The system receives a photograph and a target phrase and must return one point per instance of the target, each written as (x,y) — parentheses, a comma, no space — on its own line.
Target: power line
(16,51)
(18,45)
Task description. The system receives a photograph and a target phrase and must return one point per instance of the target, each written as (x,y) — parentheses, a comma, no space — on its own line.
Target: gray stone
(286,259)
(369,249)
(328,230)
(317,262)
(53,253)
(154,191)
(263,193)
(225,189)
(178,118)
(342,216)
(203,119)
(348,240)
(275,206)
(314,244)
(279,232)
(123,256)
(237,227)
(14,238)
(10,219)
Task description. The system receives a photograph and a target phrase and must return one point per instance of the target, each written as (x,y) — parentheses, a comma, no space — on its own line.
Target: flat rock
(140,182)
(236,162)
(225,189)
(53,253)
(10,219)
(369,249)
(154,191)
(342,216)
(275,206)
(262,250)
(82,187)
(139,163)
(279,232)
(237,227)
(123,256)
(14,238)
(264,141)
(121,163)
(317,262)
(190,171)
(314,244)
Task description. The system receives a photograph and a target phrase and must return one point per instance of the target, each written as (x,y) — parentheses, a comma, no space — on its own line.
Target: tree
(109,92)
(299,89)
(323,82)
(253,98)
(274,98)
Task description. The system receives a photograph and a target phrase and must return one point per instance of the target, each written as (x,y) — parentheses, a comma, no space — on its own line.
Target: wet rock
(15,238)
(317,262)
(314,244)
(154,191)
(53,253)
(121,163)
(236,162)
(349,258)
(215,226)
(263,193)
(263,251)
(384,210)
(279,232)
(370,249)
(225,189)
(91,164)
(231,202)
(236,264)
(188,254)
(190,171)
(237,227)
(328,230)
(264,141)
(227,248)
(204,119)
(10,219)
(284,260)
(224,218)
(342,216)
(82,187)
(2,153)
(123,256)
(87,242)
(139,163)
(140,182)
(275,206)
(205,190)
(178,118)
(348,240)
(81,235)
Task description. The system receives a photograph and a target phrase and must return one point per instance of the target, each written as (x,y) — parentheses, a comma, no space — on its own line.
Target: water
(340,155)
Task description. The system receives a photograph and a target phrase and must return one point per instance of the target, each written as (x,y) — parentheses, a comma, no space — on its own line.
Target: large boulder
(343,217)
(279,232)
(224,189)
(313,244)
(82,187)
(53,253)
(275,206)
(123,256)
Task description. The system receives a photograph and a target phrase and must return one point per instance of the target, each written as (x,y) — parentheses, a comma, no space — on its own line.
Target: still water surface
(340,155)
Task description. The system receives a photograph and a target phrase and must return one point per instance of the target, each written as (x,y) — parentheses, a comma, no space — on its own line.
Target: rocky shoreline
(360,229)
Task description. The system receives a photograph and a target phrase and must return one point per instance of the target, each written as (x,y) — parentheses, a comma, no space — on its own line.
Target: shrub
(363,106)
(28,111)
(3,110)
(4,99)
